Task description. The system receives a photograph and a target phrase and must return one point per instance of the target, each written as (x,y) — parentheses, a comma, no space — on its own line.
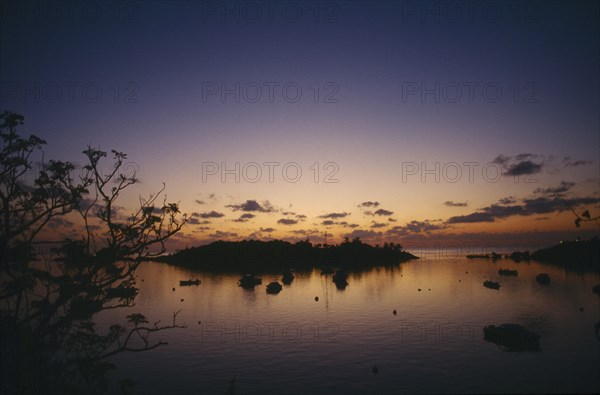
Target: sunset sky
(429,122)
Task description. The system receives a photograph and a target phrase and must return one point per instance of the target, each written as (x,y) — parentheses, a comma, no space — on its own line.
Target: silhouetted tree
(50,343)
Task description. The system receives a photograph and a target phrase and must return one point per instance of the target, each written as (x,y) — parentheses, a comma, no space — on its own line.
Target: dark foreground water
(291,344)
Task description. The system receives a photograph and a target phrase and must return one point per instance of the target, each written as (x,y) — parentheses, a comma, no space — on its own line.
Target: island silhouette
(253,256)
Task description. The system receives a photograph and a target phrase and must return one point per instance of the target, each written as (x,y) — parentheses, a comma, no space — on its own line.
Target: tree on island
(49,341)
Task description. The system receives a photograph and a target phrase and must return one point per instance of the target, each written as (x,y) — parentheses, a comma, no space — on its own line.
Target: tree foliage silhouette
(49,341)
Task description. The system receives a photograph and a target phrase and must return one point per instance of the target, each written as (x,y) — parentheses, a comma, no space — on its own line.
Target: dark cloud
(328,222)
(381,212)
(508,200)
(415,227)
(369,204)
(519,165)
(287,221)
(539,205)
(392,220)
(471,218)
(450,203)
(301,217)
(196,221)
(244,217)
(487,214)
(569,163)
(334,215)
(378,225)
(523,168)
(211,214)
(559,190)
(199,201)
(267,230)
(252,205)
(501,159)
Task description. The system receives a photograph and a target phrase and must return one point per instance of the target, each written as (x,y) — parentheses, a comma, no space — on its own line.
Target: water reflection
(313,337)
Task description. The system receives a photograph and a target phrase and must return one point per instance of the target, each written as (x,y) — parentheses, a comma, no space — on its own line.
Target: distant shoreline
(577,254)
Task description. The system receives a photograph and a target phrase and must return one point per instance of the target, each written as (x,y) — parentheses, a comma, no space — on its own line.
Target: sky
(424,123)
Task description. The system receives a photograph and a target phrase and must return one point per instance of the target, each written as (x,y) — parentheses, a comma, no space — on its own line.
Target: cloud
(378,225)
(196,221)
(381,212)
(415,227)
(244,217)
(531,206)
(199,201)
(252,205)
(392,220)
(348,225)
(450,203)
(334,215)
(267,230)
(287,221)
(569,163)
(508,200)
(559,190)
(523,168)
(363,234)
(369,204)
(211,214)
(519,165)
(301,217)
(328,222)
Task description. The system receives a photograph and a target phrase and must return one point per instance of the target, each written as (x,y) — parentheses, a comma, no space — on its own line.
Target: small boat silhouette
(184,283)
(508,272)
(491,284)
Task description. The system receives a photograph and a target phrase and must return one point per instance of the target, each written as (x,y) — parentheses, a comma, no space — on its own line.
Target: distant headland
(253,256)
(576,254)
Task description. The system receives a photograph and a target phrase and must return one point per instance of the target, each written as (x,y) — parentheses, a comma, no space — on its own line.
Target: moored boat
(183,283)
(491,284)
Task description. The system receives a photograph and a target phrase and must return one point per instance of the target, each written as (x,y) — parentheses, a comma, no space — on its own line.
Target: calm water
(290,343)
